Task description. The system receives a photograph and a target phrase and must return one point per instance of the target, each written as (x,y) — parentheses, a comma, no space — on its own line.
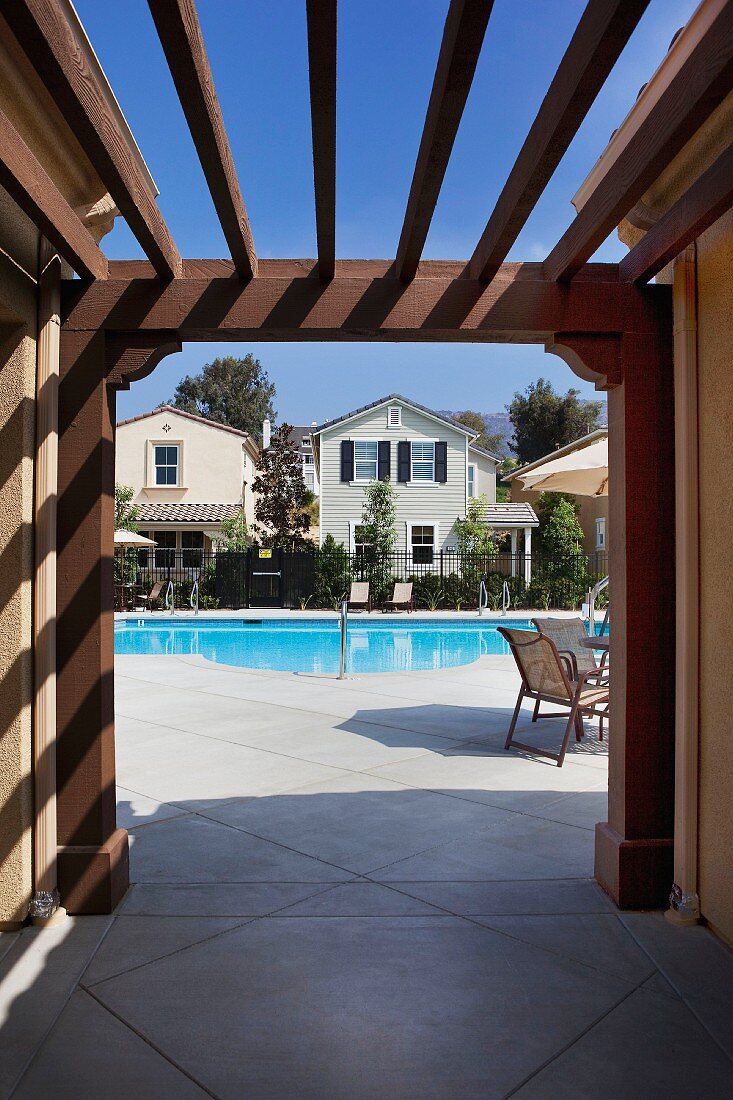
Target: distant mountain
(499,423)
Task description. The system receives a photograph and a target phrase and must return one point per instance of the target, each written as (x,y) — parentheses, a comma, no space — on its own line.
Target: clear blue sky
(387,53)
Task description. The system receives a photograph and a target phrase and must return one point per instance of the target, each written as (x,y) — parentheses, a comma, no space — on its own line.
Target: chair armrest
(569,657)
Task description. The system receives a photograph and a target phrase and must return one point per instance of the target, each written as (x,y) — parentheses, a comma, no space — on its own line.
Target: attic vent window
(394,416)
(166,427)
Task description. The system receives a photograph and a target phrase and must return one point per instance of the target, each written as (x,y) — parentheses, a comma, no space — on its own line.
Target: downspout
(44,908)
(684,900)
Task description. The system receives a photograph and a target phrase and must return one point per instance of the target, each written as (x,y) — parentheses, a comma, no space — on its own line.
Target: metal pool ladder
(170,602)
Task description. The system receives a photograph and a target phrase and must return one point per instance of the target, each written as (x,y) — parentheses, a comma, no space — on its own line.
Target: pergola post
(634,848)
(527,555)
(513,534)
(93,852)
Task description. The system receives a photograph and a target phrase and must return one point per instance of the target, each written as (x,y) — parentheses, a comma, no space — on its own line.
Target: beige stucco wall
(485,475)
(18,251)
(715,365)
(215,464)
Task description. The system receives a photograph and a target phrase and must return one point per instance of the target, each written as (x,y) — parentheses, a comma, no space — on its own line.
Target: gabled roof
(576,445)
(510,515)
(483,451)
(173,411)
(392,398)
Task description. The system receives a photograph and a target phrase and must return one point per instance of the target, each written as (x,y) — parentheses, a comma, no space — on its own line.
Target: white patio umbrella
(131,538)
(583,472)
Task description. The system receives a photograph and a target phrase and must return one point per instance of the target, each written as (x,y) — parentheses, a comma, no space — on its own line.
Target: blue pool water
(312,645)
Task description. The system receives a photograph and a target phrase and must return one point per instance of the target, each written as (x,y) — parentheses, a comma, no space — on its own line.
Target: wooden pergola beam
(46,37)
(603,31)
(364,301)
(694,212)
(691,96)
(180,35)
(25,179)
(463,36)
(322,35)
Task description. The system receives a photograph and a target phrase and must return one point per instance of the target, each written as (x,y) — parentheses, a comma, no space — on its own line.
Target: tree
(473,534)
(562,535)
(544,420)
(378,517)
(281,496)
(230,391)
(234,534)
(126,513)
(490,441)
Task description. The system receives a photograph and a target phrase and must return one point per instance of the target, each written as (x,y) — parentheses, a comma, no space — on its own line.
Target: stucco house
(189,475)
(593,511)
(434,464)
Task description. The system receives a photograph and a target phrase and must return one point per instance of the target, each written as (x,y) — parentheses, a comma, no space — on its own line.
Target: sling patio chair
(359,598)
(545,678)
(401,598)
(567,634)
(153,595)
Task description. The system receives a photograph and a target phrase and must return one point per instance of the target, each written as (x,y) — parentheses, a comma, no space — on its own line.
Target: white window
(601,533)
(423,462)
(394,416)
(360,545)
(422,543)
(310,480)
(306,441)
(365,460)
(309,460)
(471,481)
(165,458)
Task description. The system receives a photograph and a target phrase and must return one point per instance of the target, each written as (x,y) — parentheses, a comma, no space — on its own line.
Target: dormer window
(394,416)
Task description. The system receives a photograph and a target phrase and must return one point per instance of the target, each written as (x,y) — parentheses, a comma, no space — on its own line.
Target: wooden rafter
(694,212)
(322,77)
(25,179)
(603,31)
(180,35)
(463,36)
(44,34)
(692,95)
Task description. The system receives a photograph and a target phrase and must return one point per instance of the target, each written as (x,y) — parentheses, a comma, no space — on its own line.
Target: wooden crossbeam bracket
(694,212)
(463,36)
(699,86)
(180,35)
(322,35)
(53,48)
(25,179)
(603,31)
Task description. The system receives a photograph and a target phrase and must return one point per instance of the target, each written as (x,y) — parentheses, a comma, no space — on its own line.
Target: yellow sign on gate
(265,553)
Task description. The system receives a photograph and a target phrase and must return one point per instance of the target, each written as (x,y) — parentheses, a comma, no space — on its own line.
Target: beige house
(435,467)
(593,511)
(189,475)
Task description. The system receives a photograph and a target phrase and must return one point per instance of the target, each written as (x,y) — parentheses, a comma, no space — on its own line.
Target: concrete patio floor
(348,889)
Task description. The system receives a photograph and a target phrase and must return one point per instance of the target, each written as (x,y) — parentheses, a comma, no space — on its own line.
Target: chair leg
(579,730)
(536,711)
(515,716)
(566,738)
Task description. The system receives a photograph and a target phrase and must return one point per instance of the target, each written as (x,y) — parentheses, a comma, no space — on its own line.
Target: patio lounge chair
(359,598)
(401,598)
(153,595)
(545,678)
(566,634)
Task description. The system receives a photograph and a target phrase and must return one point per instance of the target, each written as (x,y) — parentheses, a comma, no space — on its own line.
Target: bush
(332,574)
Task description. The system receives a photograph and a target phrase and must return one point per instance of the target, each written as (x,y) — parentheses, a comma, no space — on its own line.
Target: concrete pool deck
(349,889)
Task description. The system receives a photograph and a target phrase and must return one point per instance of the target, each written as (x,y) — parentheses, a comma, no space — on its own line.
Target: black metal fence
(320,578)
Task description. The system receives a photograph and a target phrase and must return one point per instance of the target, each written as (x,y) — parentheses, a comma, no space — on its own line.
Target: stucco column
(527,555)
(515,543)
(634,846)
(93,853)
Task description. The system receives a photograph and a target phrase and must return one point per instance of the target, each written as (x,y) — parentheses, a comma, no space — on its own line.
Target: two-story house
(189,475)
(300,437)
(434,464)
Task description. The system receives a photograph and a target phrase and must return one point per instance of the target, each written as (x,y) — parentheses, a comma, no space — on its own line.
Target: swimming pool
(312,645)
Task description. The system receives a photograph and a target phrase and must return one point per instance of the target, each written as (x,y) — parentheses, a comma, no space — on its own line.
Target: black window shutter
(403,460)
(383,457)
(347,460)
(441,462)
